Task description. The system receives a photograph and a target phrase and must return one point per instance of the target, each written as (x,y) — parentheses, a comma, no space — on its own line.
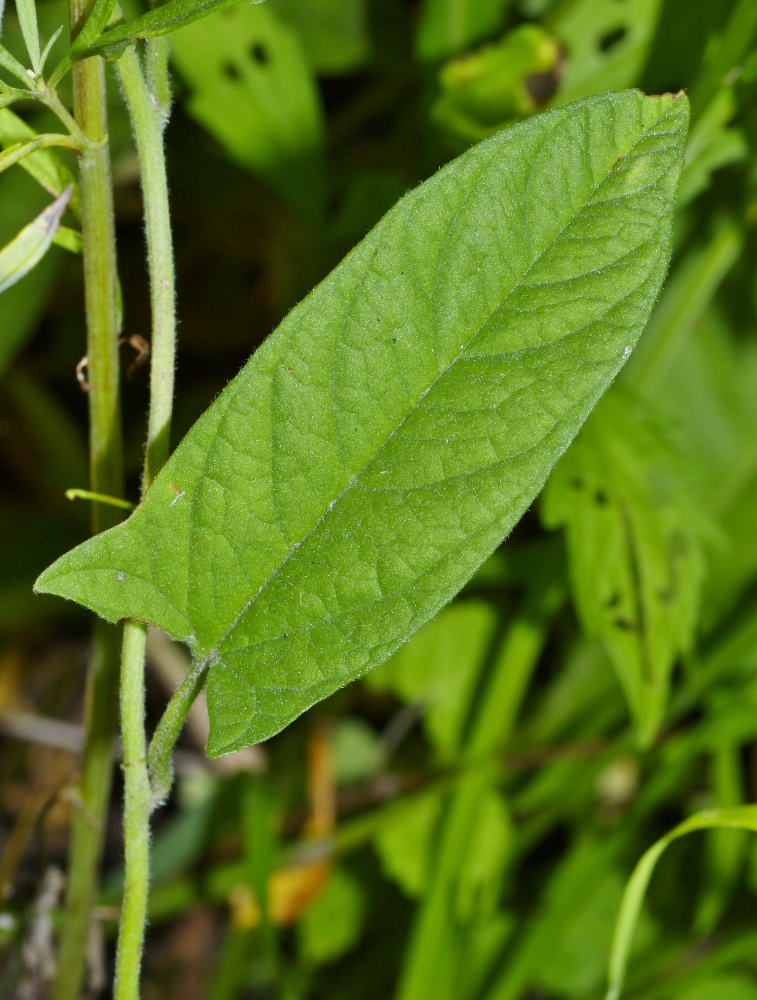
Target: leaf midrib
(212,654)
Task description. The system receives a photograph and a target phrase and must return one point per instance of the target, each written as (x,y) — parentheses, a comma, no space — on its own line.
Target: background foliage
(462,822)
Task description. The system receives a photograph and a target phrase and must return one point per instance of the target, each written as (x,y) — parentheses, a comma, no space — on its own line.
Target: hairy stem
(169,727)
(136,813)
(148,120)
(106,476)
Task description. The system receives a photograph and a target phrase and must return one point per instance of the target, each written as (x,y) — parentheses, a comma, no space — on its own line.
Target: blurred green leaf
(450,26)
(332,924)
(741,818)
(725,849)
(357,751)
(723,987)
(405,840)
(482,91)
(635,544)
(251,88)
(28,248)
(482,866)
(439,669)
(161,20)
(333,33)
(606,43)
(732,45)
(711,146)
(682,305)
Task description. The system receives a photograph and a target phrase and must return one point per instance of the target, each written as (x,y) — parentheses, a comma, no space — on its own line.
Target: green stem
(100,721)
(167,732)
(136,813)
(148,122)
(106,476)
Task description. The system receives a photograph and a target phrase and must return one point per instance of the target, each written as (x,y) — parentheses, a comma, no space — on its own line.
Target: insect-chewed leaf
(382,442)
(635,546)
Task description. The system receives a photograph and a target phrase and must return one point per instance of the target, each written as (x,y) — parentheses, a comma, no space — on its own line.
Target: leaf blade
(382,442)
(24,252)
(159,21)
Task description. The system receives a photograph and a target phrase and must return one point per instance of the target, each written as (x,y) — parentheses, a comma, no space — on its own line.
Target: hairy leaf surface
(390,433)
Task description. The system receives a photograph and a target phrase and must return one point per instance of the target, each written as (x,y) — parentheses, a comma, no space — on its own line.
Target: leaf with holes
(251,88)
(389,434)
(606,43)
(635,547)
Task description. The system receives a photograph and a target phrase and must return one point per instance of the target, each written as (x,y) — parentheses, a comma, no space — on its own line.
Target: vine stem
(148,116)
(106,476)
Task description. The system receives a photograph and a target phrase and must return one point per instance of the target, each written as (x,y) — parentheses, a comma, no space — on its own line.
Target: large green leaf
(390,433)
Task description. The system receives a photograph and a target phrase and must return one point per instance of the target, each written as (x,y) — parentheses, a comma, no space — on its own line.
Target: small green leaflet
(635,547)
(27,18)
(32,243)
(389,434)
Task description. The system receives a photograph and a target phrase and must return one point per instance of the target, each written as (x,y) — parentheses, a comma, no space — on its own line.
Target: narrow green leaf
(635,546)
(11,96)
(739,818)
(22,306)
(734,43)
(712,145)
(382,442)
(160,21)
(32,243)
(689,293)
(27,18)
(44,166)
(48,48)
(9,62)
(19,150)
(91,30)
